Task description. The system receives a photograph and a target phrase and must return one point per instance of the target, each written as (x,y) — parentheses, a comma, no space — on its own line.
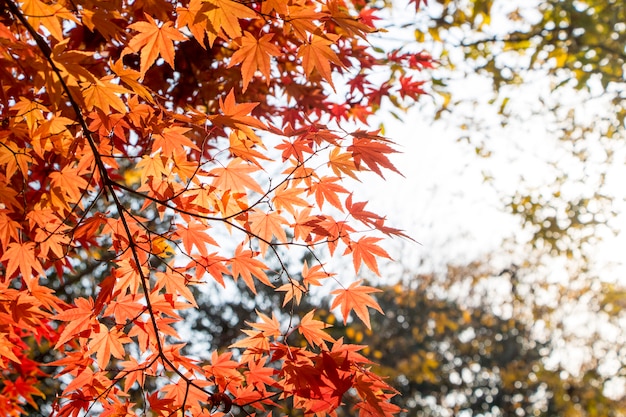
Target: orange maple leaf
(69,181)
(39,12)
(327,189)
(356,297)
(313,330)
(235,177)
(269,326)
(172,139)
(366,250)
(107,342)
(103,94)
(130,77)
(151,167)
(267,226)
(244,264)
(195,234)
(194,18)
(313,275)
(223,18)
(8,230)
(293,290)
(21,256)
(78,319)
(254,54)
(370,149)
(223,370)
(174,283)
(288,197)
(342,163)
(154,40)
(317,54)
(237,116)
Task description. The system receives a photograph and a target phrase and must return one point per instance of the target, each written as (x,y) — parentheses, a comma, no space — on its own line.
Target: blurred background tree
(549,69)
(455,348)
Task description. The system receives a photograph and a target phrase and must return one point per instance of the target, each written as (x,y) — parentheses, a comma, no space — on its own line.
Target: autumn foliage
(148,148)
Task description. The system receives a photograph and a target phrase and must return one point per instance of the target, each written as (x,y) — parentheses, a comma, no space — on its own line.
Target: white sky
(444,203)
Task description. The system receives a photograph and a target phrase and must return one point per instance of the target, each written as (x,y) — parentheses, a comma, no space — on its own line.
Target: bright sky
(444,202)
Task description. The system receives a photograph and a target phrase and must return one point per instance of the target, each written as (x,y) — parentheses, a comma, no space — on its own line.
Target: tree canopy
(452,351)
(555,69)
(151,148)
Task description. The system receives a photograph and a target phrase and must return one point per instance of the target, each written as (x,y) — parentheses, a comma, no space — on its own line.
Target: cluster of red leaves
(135,131)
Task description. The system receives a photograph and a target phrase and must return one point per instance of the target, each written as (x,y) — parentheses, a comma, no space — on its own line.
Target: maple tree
(150,148)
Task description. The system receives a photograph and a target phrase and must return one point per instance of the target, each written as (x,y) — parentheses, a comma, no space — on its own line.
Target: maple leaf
(106,342)
(21,258)
(267,226)
(70,182)
(350,24)
(104,22)
(194,18)
(342,163)
(288,198)
(175,283)
(47,14)
(172,139)
(8,230)
(357,210)
(245,265)
(154,41)
(313,275)
(256,345)
(274,5)
(103,94)
(212,264)
(411,88)
(366,250)
(313,330)
(327,189)
(78,319)
(23,388)
(304,20)
(292,290)
(152,167)
(195,235)
(269,326)
(31,111)
(14,157)
(124,308)
(235,177)
(369,149)
(258,375)
(237,116)
(8,195)
(356,297)
(223,369)
(223,18)
(254,54)
(317,54)
(130,77)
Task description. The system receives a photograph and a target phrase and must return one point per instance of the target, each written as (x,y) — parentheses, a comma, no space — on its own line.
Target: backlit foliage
(150,147)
